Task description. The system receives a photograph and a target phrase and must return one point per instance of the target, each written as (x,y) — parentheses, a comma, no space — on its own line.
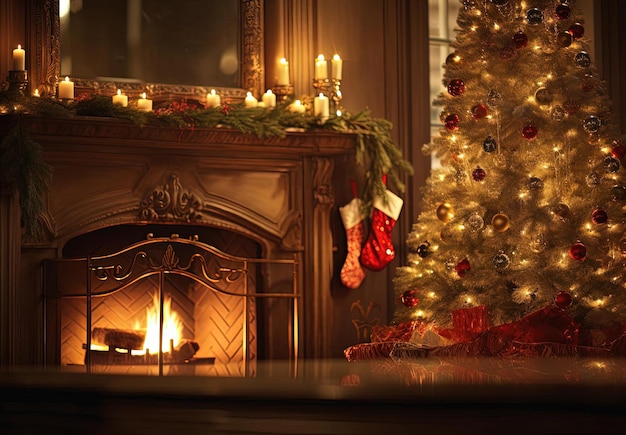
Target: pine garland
(23,167)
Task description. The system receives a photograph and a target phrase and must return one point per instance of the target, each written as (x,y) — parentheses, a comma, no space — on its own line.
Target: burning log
(121,338)
(117,355)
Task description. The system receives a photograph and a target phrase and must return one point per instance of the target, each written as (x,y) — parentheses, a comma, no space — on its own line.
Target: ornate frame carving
(46,66)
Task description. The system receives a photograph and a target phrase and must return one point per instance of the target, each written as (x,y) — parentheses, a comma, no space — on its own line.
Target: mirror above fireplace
(147,46)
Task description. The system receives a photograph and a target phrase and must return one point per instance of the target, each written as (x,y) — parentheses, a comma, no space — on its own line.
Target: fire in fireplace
(168,305)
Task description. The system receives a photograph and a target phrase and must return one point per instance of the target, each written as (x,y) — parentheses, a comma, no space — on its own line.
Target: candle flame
(320,57)
(19,47)
(143,95)
(336,57)
(67,79)
(283,61)
(119,92)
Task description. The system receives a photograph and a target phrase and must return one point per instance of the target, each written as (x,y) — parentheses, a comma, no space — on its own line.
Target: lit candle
(321,107)
(250,101)
(336,67)
(66,89)
(212,99)
(19,59)
(269,98)
(144,104)
(283,72)
(120,99)
(36,93)
(321,68)
(297,107)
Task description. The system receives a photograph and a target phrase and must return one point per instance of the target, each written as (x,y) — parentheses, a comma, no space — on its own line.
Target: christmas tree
(527,208)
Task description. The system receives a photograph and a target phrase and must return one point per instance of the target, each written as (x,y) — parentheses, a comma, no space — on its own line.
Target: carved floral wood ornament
(171,202)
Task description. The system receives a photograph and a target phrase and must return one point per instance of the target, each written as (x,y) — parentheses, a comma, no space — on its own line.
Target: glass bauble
(493,98)
(479,174)
(445,212)
(456,87)
(592,124)
(578,252)
(582,60)
(593,179)
(409,298)
(611,164)
(500,222)
(534,16)
(451,122)
(562,12)
(479,111)
(618,193)
(538,243)
(599,216)
(535,183)
(489,144)
(563,300)
(558,113)
(423,250)
(561,212)
(576,30)
(501,261)
(543,96)
(564,39)
(520,40)
(452,59)
(462,267)
(475,222)
(530,131)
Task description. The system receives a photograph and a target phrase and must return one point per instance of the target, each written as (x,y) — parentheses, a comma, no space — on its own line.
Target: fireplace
(114,183)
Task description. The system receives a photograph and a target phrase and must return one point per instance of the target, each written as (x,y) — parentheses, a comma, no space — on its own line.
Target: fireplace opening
(215,302)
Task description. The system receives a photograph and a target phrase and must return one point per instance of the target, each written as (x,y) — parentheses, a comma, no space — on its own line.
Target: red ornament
(530,131)
(576,30)
(520,40)
(409,298)
(479,174)
(618,150)
(571,106)
(462,267)
(562,12)
(479,111)
(507,53)
(599,216)
(578,252)
(563,300)
(451,122)
(456,87)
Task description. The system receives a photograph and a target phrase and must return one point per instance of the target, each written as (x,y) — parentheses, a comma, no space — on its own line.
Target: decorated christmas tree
(527,209)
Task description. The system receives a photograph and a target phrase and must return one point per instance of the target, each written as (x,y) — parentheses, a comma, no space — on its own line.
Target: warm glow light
(496,26)
(431,294)
(172,326)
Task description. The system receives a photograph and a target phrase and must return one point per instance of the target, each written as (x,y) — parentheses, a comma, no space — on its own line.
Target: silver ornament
(558,113)
(501,261)
(592,124)
(543,96)
(534,16)
(593,179)
(611,164)
(582,60)
(475,222)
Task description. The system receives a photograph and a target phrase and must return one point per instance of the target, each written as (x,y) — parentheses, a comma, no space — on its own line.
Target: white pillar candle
(269,98)
(283,72)
(19,59)
(144,103)
(120,99)
(66,89)
(336,67)
(212,99)
(250,101)
(321,106)
(321,68)
(297,107)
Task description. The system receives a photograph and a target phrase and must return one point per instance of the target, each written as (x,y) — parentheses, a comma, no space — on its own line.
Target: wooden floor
(327,397)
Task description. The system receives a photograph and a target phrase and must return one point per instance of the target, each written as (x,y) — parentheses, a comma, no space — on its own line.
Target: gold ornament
(500,222)
(445,212)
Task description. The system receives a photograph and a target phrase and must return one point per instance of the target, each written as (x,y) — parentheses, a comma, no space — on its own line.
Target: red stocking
(378,250)
(352,274)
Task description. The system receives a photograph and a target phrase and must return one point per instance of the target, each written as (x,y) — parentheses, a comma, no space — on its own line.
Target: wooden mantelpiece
(278,191)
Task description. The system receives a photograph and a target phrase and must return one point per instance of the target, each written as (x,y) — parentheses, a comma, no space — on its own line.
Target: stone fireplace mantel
(277,191)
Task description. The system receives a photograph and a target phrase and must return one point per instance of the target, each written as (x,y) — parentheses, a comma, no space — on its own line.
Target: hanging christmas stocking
(378,250)
(352,274)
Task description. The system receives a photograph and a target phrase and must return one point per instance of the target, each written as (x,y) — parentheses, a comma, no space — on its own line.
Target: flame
(172,327)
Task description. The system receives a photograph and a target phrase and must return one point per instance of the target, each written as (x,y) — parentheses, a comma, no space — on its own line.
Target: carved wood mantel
(278,191)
